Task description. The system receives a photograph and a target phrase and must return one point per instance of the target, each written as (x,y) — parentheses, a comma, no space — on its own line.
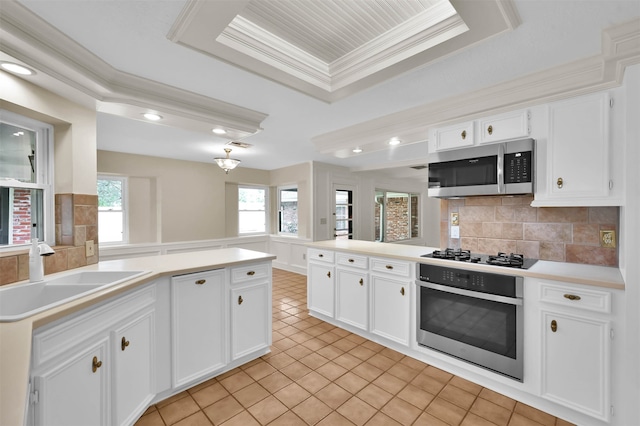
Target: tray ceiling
(331,49)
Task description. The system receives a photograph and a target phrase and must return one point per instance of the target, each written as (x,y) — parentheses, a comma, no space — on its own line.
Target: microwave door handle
(501,186)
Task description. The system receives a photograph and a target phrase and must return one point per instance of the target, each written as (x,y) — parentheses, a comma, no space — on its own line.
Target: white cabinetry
(390,299)
(579,155)
(497,128)
(321,282)
(575,347)
(81,375)
(250,305)
(352,290)
(198,325)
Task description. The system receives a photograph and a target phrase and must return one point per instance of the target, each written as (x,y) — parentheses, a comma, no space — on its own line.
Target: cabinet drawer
(352,260)
(255,272)
(51,342)
(393,267)
(321,255)
(591,300)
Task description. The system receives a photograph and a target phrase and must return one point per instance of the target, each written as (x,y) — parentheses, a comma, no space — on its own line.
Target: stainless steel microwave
(498,169)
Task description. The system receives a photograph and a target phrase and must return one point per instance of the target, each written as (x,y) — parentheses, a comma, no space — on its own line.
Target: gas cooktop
(510,260)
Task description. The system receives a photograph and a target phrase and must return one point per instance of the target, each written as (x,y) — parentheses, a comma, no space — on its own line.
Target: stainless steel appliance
(496,169)
(471,315)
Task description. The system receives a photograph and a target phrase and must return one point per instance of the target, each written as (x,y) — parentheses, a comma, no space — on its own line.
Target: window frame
(383,221)
(44,157)
(124,209)
(287,188)
(266,209)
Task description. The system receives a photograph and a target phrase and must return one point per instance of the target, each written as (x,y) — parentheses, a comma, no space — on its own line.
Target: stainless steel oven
(474,316)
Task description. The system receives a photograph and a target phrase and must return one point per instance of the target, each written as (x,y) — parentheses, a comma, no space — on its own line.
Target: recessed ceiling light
(17,69)
(219,131)
(394,141)
(357,150)
(152,116)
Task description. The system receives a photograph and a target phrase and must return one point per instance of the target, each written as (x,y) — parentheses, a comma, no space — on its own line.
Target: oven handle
(469,293)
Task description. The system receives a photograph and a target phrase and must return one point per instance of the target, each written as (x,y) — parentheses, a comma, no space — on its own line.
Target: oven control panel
(484,282)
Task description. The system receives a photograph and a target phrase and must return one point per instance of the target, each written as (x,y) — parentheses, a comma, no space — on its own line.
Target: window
(396,216)
(112,218)
(26,177)
(288,210)
(344,215)
(252,210)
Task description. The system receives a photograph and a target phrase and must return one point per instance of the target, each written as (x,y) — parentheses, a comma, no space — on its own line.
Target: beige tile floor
(319,374)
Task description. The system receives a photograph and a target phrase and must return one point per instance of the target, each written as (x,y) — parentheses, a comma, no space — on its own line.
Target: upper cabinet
(497,128)
(575,163)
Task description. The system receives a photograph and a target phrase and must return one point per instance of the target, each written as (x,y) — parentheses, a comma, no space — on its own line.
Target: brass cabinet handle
(351,260)
(560,182)
(572,297)
(124,343)
(200,282)
(96,364)
(402,291)
(321,255)
(240,300)
(329,274)
(554,326)
(361,281)
(251,273)
(490,129)
(463,134)
(389,267)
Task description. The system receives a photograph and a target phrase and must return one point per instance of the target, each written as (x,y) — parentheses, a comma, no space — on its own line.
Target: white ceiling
(132,38)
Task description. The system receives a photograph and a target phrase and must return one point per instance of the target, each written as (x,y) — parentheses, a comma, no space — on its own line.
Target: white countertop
(15,337)
(601,276)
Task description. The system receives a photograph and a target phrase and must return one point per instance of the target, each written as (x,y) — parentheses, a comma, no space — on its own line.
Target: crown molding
(30,39)
(620,48)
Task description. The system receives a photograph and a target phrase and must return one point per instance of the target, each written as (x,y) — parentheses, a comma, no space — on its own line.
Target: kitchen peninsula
(225,293)
(563,318)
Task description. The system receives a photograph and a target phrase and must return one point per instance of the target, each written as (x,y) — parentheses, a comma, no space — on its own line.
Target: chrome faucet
(36,267)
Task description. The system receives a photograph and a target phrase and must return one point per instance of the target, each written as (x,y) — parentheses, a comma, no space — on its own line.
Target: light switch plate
(89,248)
(455,232)
(608,239)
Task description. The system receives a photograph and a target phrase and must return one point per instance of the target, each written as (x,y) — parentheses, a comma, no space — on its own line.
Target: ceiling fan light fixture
(227,163)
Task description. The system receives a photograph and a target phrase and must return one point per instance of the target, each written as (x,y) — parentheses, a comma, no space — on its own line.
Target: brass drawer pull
(389,267)
(490,129)
(96,364)
(200,282)
(560,182)
(251,273)
(463,134)
(124,343)
(321,255)
(361,281)
(554,326)
(240,300)
(571,297)
(351,260)
(329,274)
(402,291)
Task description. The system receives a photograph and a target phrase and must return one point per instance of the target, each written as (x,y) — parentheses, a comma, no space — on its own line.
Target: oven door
(480,328)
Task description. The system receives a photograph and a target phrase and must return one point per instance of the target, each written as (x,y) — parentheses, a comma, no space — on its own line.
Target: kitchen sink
(22,301)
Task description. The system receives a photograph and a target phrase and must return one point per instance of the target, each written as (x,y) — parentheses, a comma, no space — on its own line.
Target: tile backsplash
(509,224)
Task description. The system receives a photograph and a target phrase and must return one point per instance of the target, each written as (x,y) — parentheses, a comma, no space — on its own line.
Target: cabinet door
(198,325)
(250,319)
(578,152)
(352,299)
(320,289)
(391,309)
(133,367)
(504,127)
(455,136)
(76,390)
(575,362)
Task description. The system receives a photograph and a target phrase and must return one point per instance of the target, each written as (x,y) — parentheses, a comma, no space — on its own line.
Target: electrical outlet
(455,219)
(608,239)
(89,248)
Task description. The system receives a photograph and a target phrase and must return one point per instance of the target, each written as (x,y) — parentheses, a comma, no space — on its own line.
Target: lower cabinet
(249,330)
(390,308)
(95,368)
(198,325)
(321,288)
(352,301)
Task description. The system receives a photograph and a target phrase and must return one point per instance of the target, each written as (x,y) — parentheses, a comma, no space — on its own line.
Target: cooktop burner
(511,260)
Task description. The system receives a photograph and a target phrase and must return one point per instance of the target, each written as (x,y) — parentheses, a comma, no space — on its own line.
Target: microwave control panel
(517,167)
